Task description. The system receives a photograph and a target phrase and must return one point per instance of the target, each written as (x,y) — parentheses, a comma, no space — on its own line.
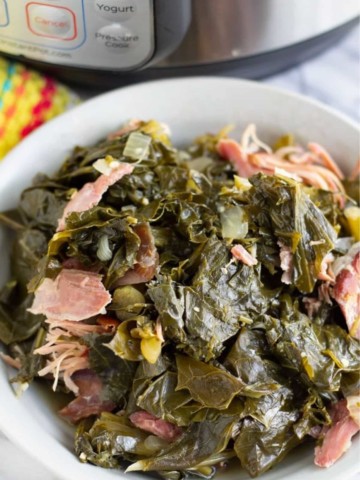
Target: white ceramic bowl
(190,107)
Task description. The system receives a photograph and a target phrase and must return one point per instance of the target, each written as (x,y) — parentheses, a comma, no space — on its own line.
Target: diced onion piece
(353,405)
(106,165)
(151,349)
(104,252)
(352,215)
(200,163)
(102,166)
(157,130)
(242,183)
(20,388)
(137,146)
(154,443)
(234,223)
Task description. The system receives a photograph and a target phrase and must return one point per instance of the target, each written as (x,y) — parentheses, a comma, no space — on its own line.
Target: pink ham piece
(230,150)
(74,295)
(337,437)
(147,259)
(89,401)
(157,426)
(326,176)
(73,263)
(286,262)
(347,290)
(240,253)
(91,193)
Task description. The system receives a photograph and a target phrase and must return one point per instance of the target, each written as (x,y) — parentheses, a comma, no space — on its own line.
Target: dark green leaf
(117,374)
(247,360)
(208,385)
(199,442)
(310,349)
(28,248)
(201,317)
(16,323)
(259,448)
(41,207)
(282,208)
(31,362)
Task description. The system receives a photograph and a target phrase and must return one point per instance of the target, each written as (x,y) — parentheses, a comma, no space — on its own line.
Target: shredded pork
(314,167)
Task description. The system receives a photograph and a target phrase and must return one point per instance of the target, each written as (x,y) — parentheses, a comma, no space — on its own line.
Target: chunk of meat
(147,259)
(240,253)
(89,400)
(73,295)
(231,150)
(336,439)
(157,426)
(347,290)
(91,193)
(286,262)
(326,273)
(73,263)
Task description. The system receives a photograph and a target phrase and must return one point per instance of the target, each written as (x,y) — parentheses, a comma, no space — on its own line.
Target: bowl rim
(196,79)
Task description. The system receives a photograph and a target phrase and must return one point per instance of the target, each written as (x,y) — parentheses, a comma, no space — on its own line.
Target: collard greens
(223,351)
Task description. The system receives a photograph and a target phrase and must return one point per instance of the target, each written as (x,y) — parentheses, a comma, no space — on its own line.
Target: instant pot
(107,42)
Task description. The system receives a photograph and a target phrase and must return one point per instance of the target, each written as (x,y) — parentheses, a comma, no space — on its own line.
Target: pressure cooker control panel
(110,34)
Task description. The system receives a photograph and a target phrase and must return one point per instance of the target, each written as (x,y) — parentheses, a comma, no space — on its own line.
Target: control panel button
(117,38)
(51,21)
(4,14)
(116,10)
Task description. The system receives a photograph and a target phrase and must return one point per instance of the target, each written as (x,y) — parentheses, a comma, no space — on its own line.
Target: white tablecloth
(333,78)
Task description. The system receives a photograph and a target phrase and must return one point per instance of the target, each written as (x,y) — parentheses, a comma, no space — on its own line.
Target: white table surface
(333,78)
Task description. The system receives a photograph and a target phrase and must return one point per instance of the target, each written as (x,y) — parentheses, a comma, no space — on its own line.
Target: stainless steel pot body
(225,30)
(110,42)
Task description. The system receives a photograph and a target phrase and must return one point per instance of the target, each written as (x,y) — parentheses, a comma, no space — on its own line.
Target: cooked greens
(222,338)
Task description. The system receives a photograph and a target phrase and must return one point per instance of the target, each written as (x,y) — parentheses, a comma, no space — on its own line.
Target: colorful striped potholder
(27,100)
